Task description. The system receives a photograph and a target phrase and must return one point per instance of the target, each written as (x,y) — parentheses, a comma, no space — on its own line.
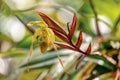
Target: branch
(96,18)
(109,59)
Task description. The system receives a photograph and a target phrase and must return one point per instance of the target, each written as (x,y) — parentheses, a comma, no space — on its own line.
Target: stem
(79,50)
(80,59)
(109,59)
(96,18)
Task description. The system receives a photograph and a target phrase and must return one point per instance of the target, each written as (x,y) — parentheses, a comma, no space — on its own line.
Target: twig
(109,59)
(96,18)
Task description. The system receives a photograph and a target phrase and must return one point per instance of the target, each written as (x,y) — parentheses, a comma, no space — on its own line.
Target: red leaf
(82,56)
(55,48)
(66,46)
(61,36)
(51,23)
(79,41)
(88,49)
(73,26)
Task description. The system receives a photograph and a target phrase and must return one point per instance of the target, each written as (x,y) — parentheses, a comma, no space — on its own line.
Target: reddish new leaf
(79,41)
(66,46)
(61,36)
(51,23)
(73,26)
(58,56)
(82,56)
(88,49)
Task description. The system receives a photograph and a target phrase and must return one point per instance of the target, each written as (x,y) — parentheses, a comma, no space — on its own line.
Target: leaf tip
(88,49)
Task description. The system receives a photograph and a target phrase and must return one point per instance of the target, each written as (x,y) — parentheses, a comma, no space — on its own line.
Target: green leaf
(31,75)
(26,42)
(105,9)
(4,8)
(106,64)
(84,24)
(44,60)
(86,9)
(12,53)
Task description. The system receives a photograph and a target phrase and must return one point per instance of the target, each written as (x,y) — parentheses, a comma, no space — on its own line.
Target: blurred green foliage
(46,66)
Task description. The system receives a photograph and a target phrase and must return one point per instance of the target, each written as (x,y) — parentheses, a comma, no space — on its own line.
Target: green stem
(96,18)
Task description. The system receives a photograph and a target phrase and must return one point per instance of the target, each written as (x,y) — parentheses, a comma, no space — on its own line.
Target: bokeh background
(15,40)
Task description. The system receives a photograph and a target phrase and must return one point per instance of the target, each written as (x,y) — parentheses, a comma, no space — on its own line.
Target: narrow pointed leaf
(66,46)
(82,56)
(61,36)
(49,56)
(73,26)
(79,41)
(51,22)
(88,49)
(61,62)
